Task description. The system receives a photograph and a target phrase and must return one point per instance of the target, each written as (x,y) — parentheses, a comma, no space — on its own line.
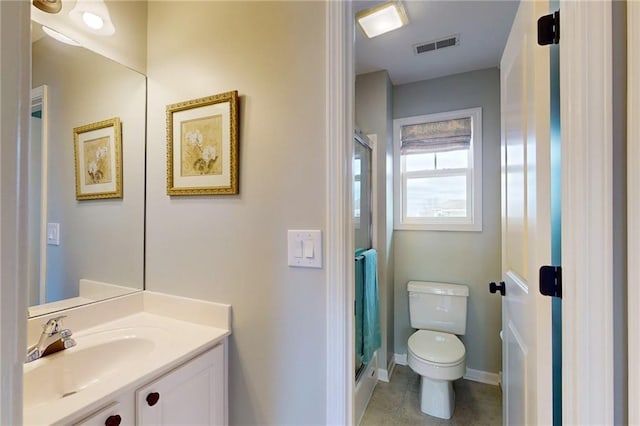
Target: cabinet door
(192,394)
(115,414)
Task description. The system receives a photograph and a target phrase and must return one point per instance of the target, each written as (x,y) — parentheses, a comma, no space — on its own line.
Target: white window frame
(473,222)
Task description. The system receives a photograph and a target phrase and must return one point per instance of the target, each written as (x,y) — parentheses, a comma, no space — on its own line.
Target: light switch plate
(310,241)
(53,234)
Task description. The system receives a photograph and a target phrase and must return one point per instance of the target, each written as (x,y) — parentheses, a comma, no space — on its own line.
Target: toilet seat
(437,347)
(436,355)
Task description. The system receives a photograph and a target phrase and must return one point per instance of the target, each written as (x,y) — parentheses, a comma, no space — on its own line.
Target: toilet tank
(438,306)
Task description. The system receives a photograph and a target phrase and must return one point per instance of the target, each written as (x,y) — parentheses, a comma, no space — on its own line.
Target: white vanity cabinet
(194,393)
(120,413)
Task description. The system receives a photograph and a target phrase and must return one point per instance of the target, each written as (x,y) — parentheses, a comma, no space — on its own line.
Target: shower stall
(365,267)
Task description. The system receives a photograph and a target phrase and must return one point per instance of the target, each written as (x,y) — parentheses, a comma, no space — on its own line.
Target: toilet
(439,312)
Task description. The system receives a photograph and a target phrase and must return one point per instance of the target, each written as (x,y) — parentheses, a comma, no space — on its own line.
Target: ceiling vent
(441,43)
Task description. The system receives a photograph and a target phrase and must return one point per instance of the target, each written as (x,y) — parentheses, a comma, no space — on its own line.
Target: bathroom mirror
(82,251)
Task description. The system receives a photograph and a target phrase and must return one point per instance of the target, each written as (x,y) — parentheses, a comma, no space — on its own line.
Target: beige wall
(100,240)
(373,96)
(471,258)
(233,249)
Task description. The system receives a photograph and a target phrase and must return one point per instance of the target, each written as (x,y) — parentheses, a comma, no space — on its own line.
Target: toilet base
(437,397)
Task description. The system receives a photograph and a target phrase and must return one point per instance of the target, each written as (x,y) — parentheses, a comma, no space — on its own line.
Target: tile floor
(398,403)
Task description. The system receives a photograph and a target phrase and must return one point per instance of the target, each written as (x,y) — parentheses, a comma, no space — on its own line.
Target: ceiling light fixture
(382,19)
(59,36)
(94,15)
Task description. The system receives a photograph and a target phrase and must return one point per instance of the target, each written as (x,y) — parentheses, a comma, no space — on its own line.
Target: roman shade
(436,136)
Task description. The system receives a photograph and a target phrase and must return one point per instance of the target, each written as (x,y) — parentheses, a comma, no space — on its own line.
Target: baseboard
(473,375)
(482,377)
(400,359)
(384,375)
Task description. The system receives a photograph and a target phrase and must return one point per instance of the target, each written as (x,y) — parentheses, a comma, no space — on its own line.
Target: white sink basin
(122,354)
(97,357)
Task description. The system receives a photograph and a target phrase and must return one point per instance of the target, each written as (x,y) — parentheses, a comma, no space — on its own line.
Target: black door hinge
(549,29)
(551,281)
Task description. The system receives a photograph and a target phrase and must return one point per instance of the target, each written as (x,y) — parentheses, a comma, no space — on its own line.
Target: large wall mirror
(81,251)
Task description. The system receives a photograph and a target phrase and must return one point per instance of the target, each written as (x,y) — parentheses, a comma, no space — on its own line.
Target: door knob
(493,287)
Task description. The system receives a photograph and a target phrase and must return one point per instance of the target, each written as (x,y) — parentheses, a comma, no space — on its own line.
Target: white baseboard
(482,377)
(400,359)
(384,375)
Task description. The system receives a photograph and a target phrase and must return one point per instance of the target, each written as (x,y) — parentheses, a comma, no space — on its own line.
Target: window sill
(450,227)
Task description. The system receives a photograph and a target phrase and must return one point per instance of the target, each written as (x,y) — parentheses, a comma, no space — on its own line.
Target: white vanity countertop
(114,357)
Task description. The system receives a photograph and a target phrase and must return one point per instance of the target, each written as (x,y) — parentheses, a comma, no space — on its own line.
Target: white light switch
(305,248)
(308,248)
(53,234)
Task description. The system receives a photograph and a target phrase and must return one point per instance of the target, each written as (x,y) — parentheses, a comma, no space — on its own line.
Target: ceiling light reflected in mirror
(49,6)
(92,21)
(382,19)
(93,15)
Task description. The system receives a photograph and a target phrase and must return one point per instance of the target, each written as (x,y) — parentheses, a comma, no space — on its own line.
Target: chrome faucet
(52,332)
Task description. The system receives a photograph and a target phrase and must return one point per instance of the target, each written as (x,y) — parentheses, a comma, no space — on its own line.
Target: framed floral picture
(98,158)
(202,146)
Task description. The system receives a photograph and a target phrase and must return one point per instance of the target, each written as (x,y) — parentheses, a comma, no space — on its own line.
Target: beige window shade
(437,136)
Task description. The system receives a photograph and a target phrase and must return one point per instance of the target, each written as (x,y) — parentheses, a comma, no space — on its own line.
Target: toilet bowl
(439,312)
(439,358)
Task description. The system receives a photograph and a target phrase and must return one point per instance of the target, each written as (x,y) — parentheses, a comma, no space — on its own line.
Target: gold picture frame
(98,160)
(202,146)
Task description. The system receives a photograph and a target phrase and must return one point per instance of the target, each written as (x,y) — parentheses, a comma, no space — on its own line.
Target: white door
(526,218)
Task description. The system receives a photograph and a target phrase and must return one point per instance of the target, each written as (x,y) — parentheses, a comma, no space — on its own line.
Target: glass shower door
(362,235)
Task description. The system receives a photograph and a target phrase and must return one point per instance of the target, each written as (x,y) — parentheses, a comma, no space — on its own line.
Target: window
(438,171)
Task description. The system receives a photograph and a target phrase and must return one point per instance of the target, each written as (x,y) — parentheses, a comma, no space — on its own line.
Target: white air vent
(438,44)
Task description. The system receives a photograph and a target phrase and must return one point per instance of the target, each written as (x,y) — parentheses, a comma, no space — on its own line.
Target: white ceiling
(483,27)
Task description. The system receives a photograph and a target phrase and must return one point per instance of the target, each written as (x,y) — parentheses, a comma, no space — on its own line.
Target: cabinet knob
(153,398)
(113,420)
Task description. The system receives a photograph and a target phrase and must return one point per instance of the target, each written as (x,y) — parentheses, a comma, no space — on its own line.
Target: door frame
(587,213)
(633,206)
(340,82)
(15,89)
(40,98)
(586,113)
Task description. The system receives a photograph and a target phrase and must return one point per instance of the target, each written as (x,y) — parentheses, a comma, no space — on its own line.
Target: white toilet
(439,312)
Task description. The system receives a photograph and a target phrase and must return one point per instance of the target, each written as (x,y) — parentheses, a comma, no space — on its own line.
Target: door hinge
(549,29)
(551,281)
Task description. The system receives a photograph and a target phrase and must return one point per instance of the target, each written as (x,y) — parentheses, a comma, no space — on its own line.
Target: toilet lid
(437,347)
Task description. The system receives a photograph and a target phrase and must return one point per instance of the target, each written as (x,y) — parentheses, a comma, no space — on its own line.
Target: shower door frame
(369,142)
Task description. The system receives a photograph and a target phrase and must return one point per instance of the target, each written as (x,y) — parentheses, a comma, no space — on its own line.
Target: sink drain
(68,394)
